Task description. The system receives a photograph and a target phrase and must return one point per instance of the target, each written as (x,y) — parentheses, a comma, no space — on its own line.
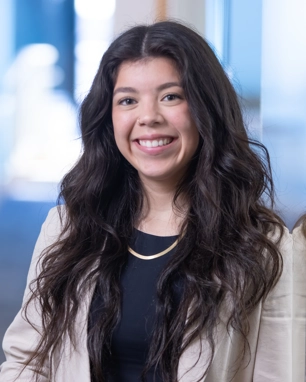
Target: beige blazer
(270,337)
(299,304)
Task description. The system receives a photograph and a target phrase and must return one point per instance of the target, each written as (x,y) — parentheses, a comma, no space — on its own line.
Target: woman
(164,262)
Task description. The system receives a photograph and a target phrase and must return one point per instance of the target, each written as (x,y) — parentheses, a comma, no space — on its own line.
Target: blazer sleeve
(21,337)
(273,362)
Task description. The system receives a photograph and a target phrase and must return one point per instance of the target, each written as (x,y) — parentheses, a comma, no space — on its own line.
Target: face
(153,127)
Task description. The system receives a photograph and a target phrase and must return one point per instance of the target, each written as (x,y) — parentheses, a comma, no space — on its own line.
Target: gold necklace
(153,256)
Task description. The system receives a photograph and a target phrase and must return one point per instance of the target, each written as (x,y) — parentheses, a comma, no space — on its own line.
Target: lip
(149,137)
(154,150)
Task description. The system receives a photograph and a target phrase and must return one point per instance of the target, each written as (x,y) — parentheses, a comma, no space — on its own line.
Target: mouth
(154,142)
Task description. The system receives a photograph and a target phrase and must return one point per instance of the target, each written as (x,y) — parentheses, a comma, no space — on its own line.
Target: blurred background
(49,53)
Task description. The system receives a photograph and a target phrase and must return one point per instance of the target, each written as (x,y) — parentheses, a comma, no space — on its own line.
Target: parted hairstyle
(225,253)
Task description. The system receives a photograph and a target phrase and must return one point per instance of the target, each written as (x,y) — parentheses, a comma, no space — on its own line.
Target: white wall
(284,60)
(191,12)
(131,12)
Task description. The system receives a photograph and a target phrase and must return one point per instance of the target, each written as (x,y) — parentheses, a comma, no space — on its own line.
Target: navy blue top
(131,338)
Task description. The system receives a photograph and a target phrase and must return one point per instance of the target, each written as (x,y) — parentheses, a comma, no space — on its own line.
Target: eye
(127,101)
(172,97)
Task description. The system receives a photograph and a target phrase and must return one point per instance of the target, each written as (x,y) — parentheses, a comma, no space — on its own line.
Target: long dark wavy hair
(225,252)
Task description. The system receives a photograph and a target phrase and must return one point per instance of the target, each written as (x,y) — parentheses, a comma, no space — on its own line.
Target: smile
(155,142)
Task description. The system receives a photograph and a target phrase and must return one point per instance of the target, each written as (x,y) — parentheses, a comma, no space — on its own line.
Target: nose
(149,114)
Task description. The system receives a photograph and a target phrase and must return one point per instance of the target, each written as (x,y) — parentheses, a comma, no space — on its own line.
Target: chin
(165,177)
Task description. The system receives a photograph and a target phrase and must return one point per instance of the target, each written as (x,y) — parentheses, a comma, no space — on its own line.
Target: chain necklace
(153,256)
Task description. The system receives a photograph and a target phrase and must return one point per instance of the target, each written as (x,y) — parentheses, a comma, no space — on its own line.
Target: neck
(159,216)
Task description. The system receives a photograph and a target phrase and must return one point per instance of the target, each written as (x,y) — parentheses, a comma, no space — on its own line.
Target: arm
(21,338)
(273,361)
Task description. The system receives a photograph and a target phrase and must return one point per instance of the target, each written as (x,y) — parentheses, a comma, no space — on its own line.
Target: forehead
(151,69)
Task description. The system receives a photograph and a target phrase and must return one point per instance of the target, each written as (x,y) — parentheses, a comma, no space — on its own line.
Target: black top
(131,338)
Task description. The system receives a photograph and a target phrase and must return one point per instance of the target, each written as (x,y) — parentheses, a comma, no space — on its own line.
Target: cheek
(186,127)
(120,139)
(120,129)
(123,123)
(191,137)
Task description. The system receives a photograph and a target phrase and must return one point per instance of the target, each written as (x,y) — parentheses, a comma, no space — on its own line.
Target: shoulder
(299,238)
(49,234)
(23,335)
(282,238)
(52,226)
(279,298)
(55,220)
(299,257)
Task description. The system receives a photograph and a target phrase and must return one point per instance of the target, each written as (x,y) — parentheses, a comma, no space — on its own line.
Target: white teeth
(155,142)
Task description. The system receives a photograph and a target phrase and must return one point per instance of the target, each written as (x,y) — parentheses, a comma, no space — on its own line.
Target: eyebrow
(161,87)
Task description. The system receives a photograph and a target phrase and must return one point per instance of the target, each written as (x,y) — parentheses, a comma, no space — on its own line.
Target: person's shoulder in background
(299,299)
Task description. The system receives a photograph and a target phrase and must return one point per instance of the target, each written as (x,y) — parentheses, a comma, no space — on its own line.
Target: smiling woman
(153,126)
(165,264)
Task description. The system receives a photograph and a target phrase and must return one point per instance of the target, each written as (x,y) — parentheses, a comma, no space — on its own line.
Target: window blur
(49,53)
